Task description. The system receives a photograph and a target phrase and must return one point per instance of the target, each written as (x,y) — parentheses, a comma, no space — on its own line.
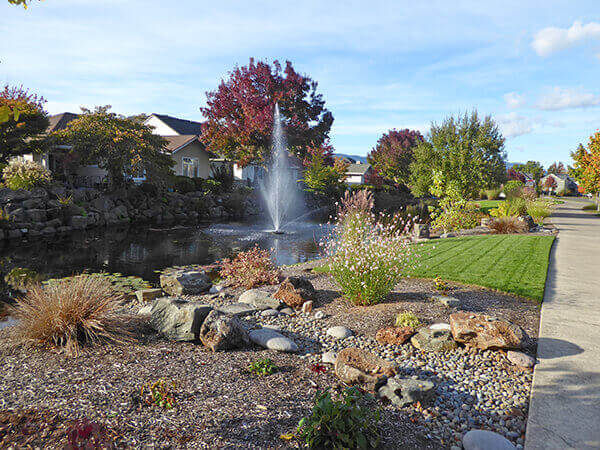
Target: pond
(143,251)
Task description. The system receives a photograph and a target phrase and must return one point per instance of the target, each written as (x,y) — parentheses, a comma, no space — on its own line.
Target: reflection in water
(142,251)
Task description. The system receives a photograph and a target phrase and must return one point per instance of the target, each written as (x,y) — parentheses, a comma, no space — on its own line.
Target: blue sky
(533,65)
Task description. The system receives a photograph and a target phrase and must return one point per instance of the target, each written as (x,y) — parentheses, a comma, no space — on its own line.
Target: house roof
(179,141)
(180,126)
(60,121)
(358,169)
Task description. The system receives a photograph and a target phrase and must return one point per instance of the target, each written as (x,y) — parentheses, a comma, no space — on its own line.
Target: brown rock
(295,291)
(394,335)
(307,306)
(486,332)
(222,332)
(357,366)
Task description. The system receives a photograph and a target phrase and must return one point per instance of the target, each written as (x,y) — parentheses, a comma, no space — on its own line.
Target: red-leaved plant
(250,269)
(86,435)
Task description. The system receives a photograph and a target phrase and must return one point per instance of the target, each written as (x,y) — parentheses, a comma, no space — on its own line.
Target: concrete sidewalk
(565,400)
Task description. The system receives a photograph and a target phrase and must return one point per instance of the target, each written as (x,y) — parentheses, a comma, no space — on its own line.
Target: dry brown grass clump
(359,201)
(70,313)
(507,225)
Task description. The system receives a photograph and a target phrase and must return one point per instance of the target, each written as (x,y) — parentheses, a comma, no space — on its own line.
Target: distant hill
(357,158)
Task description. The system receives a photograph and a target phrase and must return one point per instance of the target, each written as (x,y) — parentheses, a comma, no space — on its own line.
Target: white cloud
(559,98)
(514,125)
(552,39)
(514,100)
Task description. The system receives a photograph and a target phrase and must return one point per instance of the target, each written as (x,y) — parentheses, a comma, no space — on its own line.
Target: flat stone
(319,315)
(269,313)
(238,309)
(446,300)
(215,289)
(394,335)
(329,357)
(440,326)
(340,332)
(486,332)
(406,391)
(357,366)
(520,359)
(271,339)
(433,340)
(289,311)
(147,295)
(223,332)
(259,299)
(486,440)
(178,319)
(191,282)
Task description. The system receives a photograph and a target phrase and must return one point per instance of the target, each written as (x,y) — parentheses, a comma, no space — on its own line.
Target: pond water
(143,251)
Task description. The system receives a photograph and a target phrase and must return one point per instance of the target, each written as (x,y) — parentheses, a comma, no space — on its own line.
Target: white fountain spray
(280,189)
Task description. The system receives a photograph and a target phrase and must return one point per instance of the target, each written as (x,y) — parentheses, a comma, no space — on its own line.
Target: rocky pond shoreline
(429,398)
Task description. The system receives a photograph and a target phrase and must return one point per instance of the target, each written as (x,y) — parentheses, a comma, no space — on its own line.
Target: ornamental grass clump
(250,269)
(507,225)
(538,210)
(367,254)
(70,314)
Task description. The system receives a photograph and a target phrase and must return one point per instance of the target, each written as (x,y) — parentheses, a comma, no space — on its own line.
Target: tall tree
(557,168)
(26,122)
(462,156)
(587,164)
(393,154)
(533,168)
(122,146)
(239,113)
(323,173)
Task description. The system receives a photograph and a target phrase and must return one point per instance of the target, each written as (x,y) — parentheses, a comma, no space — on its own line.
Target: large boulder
(182,282)
(430,340)
(356,366)
(178,319)
(394,335)
(259,299)
(295,291)
(271,339)
(486,440)
(406,391)
(36,215)
(486,332)
(222,332)
(102,204)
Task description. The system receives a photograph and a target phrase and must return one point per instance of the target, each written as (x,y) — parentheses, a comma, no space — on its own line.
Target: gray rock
(339,332)
(433,340)
(178,319)
(446,300)
(486,440)
(271,339)
(259,299)
(238,309)
(191,282)
(215,289)
(223,332)
(406,391)
(289,311)
(520,359)
(78,222)
(329,357)
(269,313)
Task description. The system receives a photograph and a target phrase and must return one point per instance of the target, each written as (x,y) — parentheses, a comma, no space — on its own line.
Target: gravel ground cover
(220,404)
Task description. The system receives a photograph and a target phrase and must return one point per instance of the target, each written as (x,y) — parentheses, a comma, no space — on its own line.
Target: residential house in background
(357,173)
(564,183)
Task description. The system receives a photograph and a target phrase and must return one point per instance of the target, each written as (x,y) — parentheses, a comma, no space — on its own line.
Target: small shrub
(345,423)
(458,215)
(22,278)
(507,225)
(251,268)
(440,285)
(25,175)
(183,185)
(512,188)
(70,313)
(212,187)
(508,208)
(538,210)
(493,194)
(159,393)
(263,367)
(66,200)
(407,319)
(84,434)
(224,176)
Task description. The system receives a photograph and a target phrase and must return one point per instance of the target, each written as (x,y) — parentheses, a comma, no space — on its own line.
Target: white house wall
(159,127)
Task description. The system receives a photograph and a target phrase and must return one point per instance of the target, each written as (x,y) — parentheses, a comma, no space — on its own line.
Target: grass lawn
(486,205)
(510,263)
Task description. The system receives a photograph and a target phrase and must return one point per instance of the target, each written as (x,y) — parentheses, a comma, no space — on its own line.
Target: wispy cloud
(567,98)
(514,100)
(553,39)
(513,125)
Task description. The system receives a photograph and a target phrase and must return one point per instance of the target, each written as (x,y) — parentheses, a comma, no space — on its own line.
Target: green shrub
(212,186)
(25,175)
(183,185)
(493,194)
(263,367)
(457,215)
(512,188)
(349,422)
(538,210)
(159,393)
(224,176)
(515,206)
(407,319)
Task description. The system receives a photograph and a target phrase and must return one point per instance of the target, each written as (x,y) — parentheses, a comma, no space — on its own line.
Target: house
(564,183)
(357,173)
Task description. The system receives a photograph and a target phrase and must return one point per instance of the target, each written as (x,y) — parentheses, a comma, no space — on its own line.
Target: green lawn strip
(486,205)
(442,254)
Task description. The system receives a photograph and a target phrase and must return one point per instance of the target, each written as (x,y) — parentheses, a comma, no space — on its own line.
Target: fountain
(280,189)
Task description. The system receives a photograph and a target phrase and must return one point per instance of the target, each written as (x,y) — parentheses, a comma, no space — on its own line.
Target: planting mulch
(218,403)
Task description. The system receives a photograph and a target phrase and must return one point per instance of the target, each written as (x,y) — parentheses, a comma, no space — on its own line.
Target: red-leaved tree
(393,154)
(512,174)
(239,113)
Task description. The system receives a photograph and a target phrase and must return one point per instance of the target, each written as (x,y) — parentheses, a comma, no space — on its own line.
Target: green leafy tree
(533,168)
(122,146)
(324,174)
(22,122)
(463,155)
(557,168)
(393,154)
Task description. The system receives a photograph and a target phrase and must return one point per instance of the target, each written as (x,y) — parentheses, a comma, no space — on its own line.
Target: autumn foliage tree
(122,146)
(323,173)
(512,174)
(557,168)
(25,122)
(393,154)
(239,112)
(587,165)
(550,184)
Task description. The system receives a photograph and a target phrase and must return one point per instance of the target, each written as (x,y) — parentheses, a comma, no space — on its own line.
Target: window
(189,167)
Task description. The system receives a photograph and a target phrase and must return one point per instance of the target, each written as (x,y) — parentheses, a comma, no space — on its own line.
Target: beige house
(356,173)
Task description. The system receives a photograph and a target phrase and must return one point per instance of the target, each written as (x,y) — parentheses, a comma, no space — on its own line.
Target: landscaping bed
(218,403)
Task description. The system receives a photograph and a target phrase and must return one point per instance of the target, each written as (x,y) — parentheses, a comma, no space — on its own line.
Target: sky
(533,65)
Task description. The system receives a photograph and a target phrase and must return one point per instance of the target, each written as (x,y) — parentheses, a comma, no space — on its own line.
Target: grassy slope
(510,263)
